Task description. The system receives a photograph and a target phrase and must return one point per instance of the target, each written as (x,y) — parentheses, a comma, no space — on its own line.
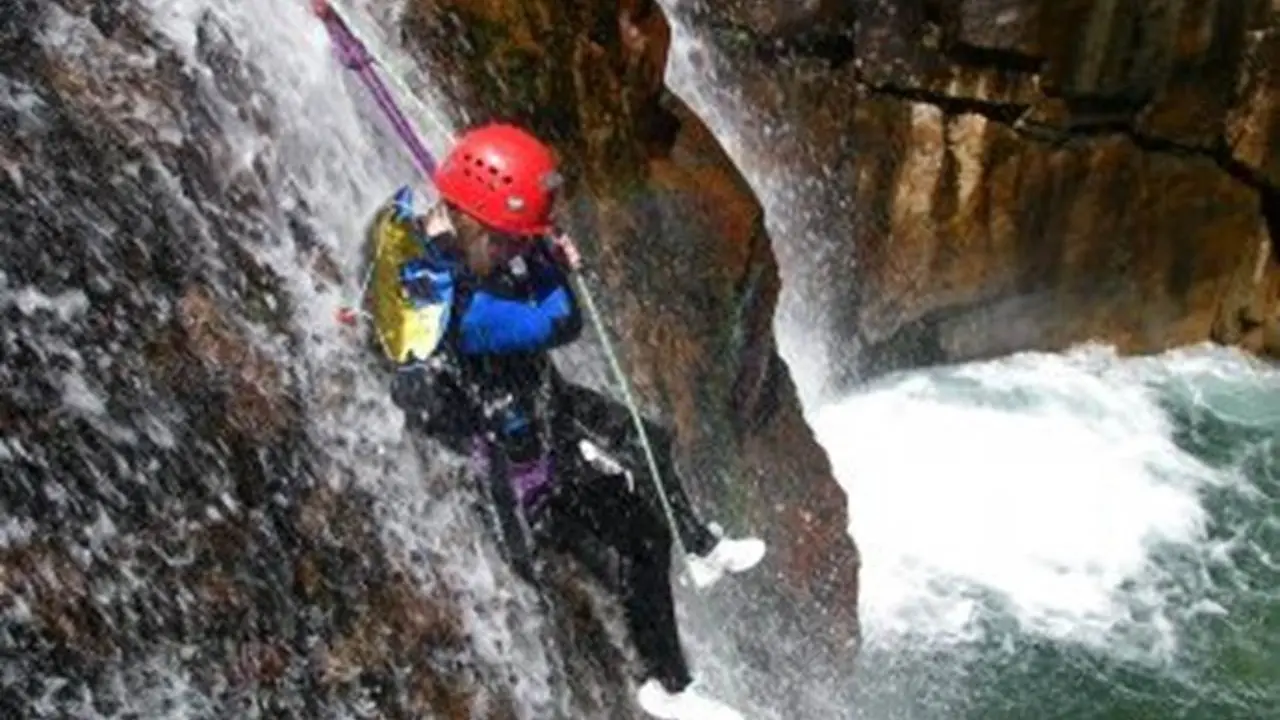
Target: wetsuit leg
(599,509)
(694,534)
(600,418)
(503,511)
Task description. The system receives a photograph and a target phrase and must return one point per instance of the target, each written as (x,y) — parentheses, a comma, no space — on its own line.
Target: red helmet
(502,176)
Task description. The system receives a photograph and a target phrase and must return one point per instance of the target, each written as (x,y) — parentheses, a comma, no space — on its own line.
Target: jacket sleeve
(550,279)
(431,394)
(496,325)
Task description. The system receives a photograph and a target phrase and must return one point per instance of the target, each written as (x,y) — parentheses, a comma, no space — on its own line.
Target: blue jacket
(495,348)
(528,307)
(519,312)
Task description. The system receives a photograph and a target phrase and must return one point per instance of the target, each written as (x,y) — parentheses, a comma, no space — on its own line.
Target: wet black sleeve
(434,400)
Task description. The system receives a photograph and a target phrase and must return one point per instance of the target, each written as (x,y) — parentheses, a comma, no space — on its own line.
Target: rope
(357,56)
(585,293)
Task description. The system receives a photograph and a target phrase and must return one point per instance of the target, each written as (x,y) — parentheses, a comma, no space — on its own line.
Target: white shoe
(685,705)
(733,556)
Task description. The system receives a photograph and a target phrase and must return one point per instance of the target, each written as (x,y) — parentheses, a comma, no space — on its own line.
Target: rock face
(179,529)
(685,271)
(1028,173)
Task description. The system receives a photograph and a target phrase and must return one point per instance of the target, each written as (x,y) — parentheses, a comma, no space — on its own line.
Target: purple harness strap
(355,56)
(531,480)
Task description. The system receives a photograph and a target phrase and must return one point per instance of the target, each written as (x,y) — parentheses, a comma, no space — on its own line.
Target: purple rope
(353,54)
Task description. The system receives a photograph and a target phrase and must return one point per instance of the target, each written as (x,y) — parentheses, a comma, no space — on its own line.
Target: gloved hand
(438,222)
(565,251)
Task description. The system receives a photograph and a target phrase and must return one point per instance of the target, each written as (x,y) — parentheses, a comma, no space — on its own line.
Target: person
(493,258)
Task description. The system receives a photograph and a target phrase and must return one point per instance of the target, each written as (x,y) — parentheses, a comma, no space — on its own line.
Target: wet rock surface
(1020,174)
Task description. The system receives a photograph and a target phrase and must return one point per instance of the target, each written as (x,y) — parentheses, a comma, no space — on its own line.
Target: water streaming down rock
(211,510)
(210,506)
(807,216)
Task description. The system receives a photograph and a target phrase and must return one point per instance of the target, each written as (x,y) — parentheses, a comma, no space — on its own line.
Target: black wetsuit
(499,396)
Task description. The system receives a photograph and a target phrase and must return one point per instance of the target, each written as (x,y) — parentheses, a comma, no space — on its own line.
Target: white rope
(392,71)
(585,293)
